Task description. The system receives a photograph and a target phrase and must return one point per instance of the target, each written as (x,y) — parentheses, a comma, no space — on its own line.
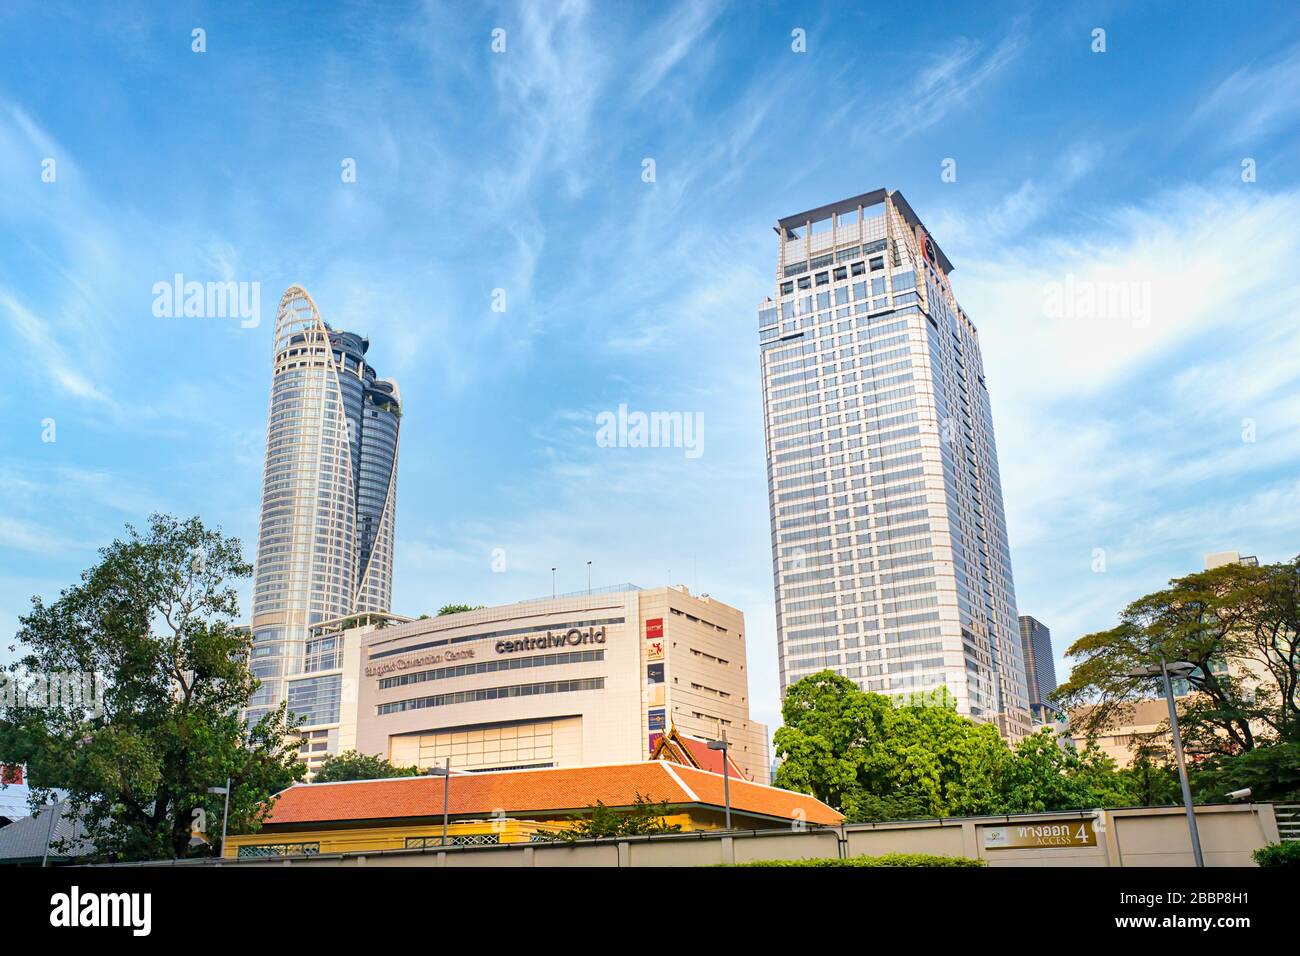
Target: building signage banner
(654,627)
(1044,835)
(421,660)
(654,673)
(571,638)
(657,718)
(654,650)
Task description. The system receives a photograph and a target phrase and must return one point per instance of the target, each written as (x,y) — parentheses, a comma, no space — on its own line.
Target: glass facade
(890,554)
(325,546)
(1040,668)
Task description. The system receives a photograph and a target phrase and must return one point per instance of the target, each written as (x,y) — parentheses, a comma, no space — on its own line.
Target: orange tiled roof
(693,752)
(710,760)
(537,791)
(758,798)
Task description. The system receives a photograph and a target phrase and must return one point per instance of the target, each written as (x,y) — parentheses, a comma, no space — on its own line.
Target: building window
(488,667)
(316,699)
(493,693)
(324,654)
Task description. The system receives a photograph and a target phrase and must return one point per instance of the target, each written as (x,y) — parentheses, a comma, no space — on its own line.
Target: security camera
(1243,794)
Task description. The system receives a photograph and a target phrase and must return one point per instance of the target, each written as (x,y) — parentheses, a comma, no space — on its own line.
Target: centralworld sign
(573,637)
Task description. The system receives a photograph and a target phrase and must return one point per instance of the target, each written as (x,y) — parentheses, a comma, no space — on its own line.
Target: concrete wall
(1146,836)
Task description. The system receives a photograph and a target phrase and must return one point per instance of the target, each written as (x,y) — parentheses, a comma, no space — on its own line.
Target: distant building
(1220,558)
(573,680)
(1040,668)
(889,543)
(24,842)
(1143,724)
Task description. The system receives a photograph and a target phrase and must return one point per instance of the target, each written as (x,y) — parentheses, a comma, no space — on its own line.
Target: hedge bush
(889,859)
(1279,854)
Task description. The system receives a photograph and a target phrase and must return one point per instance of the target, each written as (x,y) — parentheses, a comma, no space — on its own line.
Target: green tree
(458,608)
(154,622)
(1271,773)
(351,765)
(1231,615)
(1046,776)
(831,740)
(641,819)
(953,763)
(874,758)
(1151,782)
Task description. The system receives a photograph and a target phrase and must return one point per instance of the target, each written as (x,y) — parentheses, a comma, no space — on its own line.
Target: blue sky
(522,171)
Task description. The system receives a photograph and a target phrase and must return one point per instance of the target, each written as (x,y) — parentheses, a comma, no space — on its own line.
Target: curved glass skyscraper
(325,548)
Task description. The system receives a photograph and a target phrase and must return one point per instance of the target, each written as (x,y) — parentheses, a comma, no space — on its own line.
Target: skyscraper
(325,549)
(889,544)
(1040,669)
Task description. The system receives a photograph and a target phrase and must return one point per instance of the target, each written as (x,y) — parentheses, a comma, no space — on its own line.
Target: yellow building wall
(375,839)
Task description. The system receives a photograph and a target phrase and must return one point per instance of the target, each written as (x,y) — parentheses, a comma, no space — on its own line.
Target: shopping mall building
(569,681)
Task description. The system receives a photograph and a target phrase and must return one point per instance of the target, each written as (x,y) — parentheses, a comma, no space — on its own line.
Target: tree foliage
(641,819)
(458,608)
(351,765)
(154,620)
(1272,773)
(874,758)
(1239,625)
(1150,779)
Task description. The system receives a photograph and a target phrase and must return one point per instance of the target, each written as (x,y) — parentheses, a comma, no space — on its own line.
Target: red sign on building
(654,627)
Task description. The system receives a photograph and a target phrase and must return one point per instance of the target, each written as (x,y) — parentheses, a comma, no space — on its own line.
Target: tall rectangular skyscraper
(1040,669)
(325,547)
(889,544)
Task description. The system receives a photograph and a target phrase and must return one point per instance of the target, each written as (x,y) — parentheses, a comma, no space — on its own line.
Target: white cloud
(1211,262)
(677,38)
(1253,102)
(947,83)
(1128,436)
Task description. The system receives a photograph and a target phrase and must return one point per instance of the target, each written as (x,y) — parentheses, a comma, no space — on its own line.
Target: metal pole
(1182,766)
(726,784)
(225,819)
(589,577)
(446,793)
(49,833)
(552,584)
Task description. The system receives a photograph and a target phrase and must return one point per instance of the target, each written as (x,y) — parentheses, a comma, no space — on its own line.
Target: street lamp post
(49,832)
(721,744)
(225,813)
(1181,669)
(445,773)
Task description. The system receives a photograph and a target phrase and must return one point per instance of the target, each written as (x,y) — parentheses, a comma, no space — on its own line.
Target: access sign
(1041,835)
